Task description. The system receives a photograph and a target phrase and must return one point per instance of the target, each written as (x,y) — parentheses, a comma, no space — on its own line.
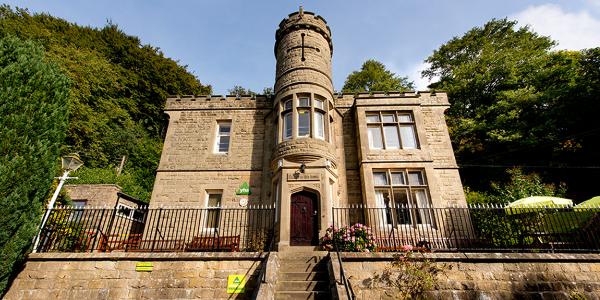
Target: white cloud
(594,3)
(414,74)
(572,31)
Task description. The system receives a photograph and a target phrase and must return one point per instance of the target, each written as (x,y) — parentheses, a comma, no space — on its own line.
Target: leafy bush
(518,186)
(258,240)
(62,234)
(523,185)
(495,227)
(355,238)
(407,277)
(129,180)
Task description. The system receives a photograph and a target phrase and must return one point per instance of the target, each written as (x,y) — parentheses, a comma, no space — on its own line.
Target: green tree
(119,87)
(268,91)
(374,76)
(33,108)
(239,90)
(514,101)
(488,74)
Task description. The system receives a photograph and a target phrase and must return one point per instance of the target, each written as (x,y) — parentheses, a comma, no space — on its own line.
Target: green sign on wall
(236,284)
(244,189)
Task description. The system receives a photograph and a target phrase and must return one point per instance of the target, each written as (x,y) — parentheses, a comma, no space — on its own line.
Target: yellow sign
(236,284)
(144,266)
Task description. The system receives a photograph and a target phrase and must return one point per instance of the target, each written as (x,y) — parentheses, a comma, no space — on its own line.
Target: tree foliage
(33,121)
(519,185)
(374,76)
(239,90)
(514,101)
(118,92)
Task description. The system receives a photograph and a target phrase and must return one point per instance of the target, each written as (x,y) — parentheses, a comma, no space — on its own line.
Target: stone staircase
(303,275)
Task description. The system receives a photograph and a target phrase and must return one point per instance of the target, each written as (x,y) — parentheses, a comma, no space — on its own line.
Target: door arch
(304,212)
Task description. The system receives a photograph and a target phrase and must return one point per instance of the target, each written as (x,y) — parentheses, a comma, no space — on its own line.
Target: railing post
(98,230)
(156,230)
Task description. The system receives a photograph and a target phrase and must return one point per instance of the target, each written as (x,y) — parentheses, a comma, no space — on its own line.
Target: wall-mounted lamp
(302,168)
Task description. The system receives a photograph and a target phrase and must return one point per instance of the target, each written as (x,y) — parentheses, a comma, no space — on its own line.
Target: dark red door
(303,221)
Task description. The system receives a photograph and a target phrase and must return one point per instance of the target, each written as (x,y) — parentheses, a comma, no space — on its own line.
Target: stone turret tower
(304,161)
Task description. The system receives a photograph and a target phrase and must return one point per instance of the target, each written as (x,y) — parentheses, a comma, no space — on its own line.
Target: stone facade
(307,149)
(114,276)
(100,195)
(486,275)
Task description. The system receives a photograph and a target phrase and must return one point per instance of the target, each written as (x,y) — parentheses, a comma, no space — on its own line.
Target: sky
(230,42)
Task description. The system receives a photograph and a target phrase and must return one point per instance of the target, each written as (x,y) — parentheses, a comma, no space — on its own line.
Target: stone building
(307,149)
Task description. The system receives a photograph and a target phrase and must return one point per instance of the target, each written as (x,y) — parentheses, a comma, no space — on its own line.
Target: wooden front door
(303,220)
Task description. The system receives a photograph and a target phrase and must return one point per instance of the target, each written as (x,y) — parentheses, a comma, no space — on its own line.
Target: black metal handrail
(478,228)
(345,282)
(77,229)
(263,271)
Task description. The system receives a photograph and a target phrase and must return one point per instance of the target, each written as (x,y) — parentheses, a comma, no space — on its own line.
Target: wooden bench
(390,244)
(160,245)
(214,243)
(126,242)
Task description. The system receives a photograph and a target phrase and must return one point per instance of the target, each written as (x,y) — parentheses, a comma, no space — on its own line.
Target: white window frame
(218,135)
(397,124)
(131,212)
(285,126)
(427,217)
(308,119)
(213,209)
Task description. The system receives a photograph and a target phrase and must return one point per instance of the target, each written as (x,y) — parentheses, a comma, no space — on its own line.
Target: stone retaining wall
(487,275)
(113,276)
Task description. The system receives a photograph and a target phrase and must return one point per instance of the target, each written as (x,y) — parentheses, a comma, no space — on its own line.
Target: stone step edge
(302,292)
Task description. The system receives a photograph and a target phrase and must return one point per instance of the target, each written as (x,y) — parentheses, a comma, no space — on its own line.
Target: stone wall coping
(93,185)
(217,97)
(478,257)
(154,256)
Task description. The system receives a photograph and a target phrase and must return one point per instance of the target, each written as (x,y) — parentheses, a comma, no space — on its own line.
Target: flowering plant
(355,238)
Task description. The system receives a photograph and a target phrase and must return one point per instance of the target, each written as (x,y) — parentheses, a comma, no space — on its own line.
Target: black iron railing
(478,228)
(76,229)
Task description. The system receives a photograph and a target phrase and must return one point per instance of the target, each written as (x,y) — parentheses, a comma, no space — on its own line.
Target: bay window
(304,116)
(404,195)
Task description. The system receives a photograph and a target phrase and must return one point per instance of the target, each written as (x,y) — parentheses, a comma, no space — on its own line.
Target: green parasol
(530,204)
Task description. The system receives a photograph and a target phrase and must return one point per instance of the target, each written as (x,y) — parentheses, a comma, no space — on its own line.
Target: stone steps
(303,276)
(295,276)
(302,285)
(297,295)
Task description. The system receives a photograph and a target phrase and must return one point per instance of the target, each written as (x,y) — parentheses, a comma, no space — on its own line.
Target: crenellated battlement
(179,102)
(411,97)
(303,20)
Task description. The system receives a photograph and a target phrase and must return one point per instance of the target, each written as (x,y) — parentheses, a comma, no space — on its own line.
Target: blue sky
(230,42)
